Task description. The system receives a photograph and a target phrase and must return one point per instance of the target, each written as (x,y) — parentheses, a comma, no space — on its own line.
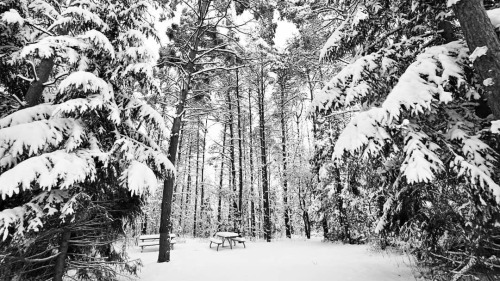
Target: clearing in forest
(289,260)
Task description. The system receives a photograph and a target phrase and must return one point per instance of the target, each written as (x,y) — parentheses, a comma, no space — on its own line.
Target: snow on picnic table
(279,260)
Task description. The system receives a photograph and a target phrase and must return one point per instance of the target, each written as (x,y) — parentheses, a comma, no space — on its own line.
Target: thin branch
(217,68)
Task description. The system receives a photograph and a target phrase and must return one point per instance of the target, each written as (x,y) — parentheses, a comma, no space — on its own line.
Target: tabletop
(154,236)
(227,234)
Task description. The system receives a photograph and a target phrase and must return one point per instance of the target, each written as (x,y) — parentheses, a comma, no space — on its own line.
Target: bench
(154,240)
(215,241)
(239,240)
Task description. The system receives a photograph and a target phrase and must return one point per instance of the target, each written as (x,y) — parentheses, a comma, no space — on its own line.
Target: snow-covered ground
(279,260)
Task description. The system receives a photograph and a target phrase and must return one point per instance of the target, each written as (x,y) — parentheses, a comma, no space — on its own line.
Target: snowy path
(282,260)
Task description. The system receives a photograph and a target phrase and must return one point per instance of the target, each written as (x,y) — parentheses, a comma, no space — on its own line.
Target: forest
(361,122)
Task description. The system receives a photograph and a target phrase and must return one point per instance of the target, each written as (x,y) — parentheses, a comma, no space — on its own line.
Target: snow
(285,30)
(488,82)
(139,178)
(420,163)
(364,129)
(49,170)
(495,127)
(100,41)
(478,52)
(86,16)
(27,115)
(415,93)
(33,138)
(494,16)
(12,17)
(333,41)
(361,15)
(85,81)
(450,3)
(294,260)
(9,217)
(42,7)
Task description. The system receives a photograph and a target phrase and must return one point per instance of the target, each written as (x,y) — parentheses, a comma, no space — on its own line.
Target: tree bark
(263,155)
(34,94)
(168,184)
(221,180)
(202,200)
(240,155)
(234,209)
(196,180)
(60,265)
(479,32)
(252,202)
(284,163)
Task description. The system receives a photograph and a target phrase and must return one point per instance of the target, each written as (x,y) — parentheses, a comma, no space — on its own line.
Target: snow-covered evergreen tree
(79,155)
(422,124)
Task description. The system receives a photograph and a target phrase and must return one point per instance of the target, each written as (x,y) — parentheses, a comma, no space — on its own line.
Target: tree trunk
(60,265)
(252,202)
(344,223)
(479,32)
(221,180)
(234,209)
(187,190)
(263,155)
(284,163)
(34,94)
(179,153)
(202,200)
(197,173)
(240,155)
(168,184)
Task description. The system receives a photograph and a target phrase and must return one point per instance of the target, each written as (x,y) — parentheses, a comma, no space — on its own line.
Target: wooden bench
(153,240)
(215,241)
(239,240)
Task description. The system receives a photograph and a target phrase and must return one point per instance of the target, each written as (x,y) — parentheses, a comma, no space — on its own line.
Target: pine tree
(420,127)
(76,159)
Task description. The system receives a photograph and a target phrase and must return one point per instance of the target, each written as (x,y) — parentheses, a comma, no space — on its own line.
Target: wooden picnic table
(154,239)
(227,236)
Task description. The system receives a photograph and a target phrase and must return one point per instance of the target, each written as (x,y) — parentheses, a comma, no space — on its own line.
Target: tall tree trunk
(60,265)
(202,202)
(168,184)
(179,153)
(145,225)
(340,207)
(240,155)
(221,180)
(197,173)
(284,162)
(479,32)
(234,209)
(305,214)
(252,192)
(263,155)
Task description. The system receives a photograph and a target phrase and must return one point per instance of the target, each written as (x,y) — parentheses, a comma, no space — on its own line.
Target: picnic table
(154,239)
(227,236)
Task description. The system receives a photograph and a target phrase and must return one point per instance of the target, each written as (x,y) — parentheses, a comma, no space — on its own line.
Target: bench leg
(244,246)
(142,248)
(218,247)
(211,245)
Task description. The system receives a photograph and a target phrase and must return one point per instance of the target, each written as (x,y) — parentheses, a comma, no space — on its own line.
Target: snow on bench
(215,241)
(153,240)
(239,240)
